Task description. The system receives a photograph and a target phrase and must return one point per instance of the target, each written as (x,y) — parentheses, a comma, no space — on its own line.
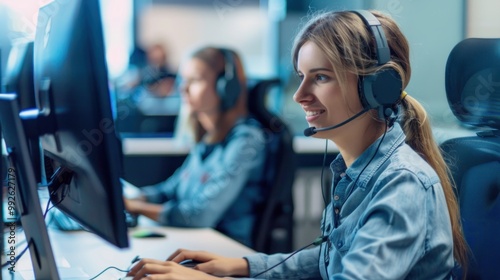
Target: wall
(482,18)
(433,28)
(182,28)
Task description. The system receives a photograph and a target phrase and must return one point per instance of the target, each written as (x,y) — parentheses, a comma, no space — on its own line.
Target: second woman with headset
(218,184)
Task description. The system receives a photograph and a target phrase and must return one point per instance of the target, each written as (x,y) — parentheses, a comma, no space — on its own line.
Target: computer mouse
(146,233)
(189,263)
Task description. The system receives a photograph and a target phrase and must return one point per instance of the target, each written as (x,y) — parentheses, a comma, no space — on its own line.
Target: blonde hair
(214,58)
(349,46)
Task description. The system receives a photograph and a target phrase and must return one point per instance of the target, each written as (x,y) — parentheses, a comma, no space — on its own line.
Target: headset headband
(383,52)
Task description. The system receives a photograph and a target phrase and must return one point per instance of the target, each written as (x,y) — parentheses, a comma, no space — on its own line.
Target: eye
(300,76)
(321,78)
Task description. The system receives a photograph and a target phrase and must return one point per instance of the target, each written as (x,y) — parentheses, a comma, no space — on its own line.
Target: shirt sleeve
(245,149)
(392,232)
(302,265)
(165,190)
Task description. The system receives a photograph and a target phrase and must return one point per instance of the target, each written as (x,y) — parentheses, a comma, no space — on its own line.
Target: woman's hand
(211,263)
(133,205)
(155,269)
(141,207)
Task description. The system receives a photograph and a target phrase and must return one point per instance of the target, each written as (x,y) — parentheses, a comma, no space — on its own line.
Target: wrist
(242,268)
(136,206)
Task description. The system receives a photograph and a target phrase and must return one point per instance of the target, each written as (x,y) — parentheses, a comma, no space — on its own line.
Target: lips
(313,115)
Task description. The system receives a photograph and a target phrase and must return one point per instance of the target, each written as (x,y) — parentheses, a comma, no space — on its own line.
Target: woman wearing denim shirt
(393,213)
(218,184)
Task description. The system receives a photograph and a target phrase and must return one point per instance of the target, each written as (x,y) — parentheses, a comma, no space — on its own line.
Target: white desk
(301,144)
(172,146)
(82,255)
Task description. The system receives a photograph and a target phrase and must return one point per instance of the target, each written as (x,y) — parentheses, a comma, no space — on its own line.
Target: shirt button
(337,210)
(336,197)
(342,174)
(339,244)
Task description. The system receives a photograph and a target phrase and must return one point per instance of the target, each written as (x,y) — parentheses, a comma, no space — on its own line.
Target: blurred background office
(261,31)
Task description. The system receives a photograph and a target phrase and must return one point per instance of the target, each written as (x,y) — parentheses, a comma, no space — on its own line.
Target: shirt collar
(394,138)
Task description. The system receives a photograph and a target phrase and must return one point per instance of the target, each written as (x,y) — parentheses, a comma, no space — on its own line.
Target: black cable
(373,156)
(316,242)
(322,169)
(354,185)
(107,268)
(136,259)
(44,215)
(320,240)
(47,209)
(324,200)
(29,243)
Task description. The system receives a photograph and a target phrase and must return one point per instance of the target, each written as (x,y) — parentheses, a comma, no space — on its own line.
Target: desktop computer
(72,127)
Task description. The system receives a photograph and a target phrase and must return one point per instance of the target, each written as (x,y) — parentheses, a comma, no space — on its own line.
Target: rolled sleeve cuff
(256,264)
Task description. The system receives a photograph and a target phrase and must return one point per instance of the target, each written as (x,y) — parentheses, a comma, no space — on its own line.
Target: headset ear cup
(228,91)
(233,90)
(221,90)
(361,93)
(387,87)
(228,85)
(381,89)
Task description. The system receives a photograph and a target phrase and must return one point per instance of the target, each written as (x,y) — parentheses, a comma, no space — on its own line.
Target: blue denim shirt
(221,190)
(393,224)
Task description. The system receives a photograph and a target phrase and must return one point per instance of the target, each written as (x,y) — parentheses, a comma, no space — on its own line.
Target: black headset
(382,89)
(228,85)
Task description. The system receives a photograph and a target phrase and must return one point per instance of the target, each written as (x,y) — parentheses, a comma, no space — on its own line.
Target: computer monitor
(76,129)
(19,74)
(19,79)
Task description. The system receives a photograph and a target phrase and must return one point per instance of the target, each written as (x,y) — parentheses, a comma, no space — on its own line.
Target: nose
(302,94)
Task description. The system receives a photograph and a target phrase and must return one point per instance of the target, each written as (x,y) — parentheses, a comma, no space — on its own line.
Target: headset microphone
(312,130)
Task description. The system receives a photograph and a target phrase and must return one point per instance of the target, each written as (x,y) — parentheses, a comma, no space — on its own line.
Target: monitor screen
(71,82)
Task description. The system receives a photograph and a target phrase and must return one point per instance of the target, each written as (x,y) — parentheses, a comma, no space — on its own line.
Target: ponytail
(419,137)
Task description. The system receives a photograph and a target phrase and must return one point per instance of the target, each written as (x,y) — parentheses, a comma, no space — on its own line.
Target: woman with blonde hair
(393,213)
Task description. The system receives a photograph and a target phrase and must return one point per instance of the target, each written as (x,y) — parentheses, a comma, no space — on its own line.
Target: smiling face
(198,86)
(325,101)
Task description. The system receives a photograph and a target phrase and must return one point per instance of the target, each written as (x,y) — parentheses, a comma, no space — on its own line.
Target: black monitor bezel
(72,85)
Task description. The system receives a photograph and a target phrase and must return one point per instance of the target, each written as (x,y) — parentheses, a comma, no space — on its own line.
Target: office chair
(473,92)
(274,228)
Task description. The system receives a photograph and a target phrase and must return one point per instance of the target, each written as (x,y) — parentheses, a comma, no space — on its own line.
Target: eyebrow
(320,69)
(313,70)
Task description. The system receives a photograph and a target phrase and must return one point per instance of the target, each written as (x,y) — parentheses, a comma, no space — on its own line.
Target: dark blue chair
(473,92)
(274,229)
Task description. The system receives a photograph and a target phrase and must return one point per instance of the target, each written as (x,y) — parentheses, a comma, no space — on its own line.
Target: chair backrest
(473,92)
(274,229)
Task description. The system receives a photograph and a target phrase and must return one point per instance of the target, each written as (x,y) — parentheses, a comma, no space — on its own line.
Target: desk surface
(82,255)
(173,146)
(301,144)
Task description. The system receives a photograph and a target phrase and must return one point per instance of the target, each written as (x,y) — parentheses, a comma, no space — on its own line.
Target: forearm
(143,208)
